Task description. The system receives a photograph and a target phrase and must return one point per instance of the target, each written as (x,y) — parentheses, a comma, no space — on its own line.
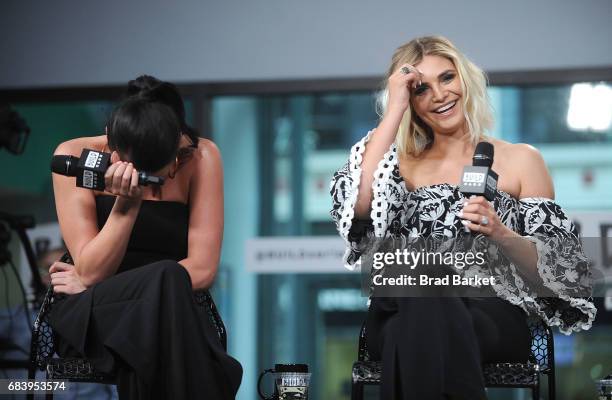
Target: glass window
(577,113)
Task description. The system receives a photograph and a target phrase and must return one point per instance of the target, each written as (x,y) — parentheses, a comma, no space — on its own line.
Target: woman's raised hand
(400,82)
(121,179)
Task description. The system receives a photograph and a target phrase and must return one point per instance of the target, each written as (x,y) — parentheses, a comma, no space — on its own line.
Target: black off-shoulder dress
(142,323)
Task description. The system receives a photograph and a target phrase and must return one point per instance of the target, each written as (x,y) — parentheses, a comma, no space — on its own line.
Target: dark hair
(146,131)
(149,87)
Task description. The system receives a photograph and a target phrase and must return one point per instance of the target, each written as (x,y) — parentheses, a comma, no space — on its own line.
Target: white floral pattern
(430,212)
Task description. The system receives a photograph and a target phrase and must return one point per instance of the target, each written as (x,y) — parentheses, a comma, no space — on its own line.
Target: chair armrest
(203,299)
(42,344)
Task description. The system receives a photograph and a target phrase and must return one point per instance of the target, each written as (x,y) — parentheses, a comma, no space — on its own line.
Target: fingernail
(460,214)
(465,223)
(473,196)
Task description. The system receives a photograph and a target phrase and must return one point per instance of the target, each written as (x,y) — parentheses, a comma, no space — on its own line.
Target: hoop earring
(172,174)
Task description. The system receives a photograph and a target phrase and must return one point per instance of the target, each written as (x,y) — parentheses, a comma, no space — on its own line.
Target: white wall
(61,42)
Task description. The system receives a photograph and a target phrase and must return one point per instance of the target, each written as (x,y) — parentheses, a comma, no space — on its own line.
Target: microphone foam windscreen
(483,155)
(64,165)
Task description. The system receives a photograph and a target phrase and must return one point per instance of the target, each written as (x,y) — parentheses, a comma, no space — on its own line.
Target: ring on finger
(406,70)
(484,221)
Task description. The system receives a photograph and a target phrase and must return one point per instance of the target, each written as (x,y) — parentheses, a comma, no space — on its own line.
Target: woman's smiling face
(438,100)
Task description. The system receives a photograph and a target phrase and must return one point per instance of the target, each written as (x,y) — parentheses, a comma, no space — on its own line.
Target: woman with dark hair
(139,251)
(400,185)
(165,92)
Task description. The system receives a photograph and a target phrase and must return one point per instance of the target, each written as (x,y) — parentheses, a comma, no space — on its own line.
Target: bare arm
(96,253)
(535,182)
(205,217)
(399,96)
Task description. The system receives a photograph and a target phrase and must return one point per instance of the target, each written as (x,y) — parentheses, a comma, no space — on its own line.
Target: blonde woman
(402,181)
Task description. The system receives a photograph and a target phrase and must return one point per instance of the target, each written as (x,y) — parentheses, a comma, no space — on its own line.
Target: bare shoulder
(207,158)
(519,153)
(75,146)
(528,153)
(206,177)
(208,149)
(527,161)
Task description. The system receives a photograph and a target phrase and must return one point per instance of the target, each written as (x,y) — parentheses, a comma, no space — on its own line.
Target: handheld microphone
(89,169)
(479,179)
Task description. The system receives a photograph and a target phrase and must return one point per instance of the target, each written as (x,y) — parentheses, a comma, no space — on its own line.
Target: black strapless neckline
(160,231)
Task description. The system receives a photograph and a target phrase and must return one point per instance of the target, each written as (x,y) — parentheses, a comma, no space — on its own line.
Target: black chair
(510,375)
(78,369)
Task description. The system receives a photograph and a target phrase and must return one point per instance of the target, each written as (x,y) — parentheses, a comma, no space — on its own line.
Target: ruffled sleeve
(389,197)
(564,300)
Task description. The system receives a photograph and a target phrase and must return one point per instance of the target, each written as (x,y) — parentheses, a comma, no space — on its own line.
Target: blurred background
(285,88)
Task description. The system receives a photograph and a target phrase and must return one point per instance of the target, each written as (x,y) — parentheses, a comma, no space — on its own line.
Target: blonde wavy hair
(414,135)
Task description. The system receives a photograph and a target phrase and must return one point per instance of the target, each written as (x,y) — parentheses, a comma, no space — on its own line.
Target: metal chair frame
(509,375)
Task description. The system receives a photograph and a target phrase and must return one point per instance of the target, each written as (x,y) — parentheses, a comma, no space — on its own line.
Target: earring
(172,174)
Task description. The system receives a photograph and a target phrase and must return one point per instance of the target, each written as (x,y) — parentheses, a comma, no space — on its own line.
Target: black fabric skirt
(434,348)
(144,326)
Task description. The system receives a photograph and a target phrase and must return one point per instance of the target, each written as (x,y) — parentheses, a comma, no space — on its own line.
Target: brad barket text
(426,280)
(412,259)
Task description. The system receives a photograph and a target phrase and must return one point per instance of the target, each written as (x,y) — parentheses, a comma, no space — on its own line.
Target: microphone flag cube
(479,181)
(91,168)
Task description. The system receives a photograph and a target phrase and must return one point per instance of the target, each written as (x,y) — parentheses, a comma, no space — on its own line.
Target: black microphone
(479,179)
(89,169)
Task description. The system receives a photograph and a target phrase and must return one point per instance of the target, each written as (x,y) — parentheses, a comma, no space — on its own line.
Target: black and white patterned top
(430,211)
